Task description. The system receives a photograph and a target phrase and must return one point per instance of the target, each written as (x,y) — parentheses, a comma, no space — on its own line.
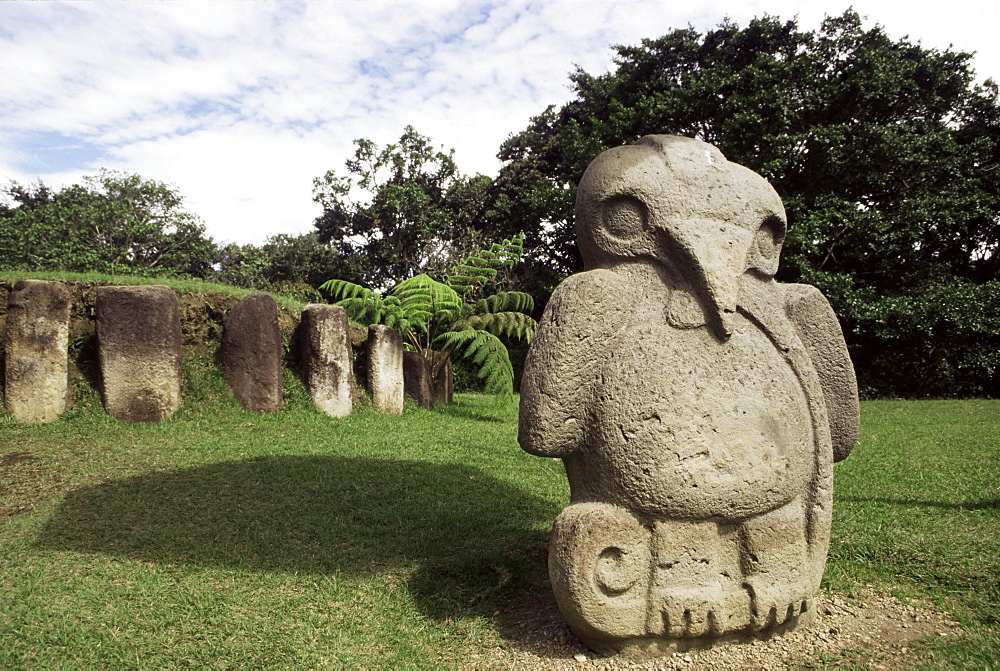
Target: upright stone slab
(139,343)
(421,384)
(698,431)
(417,379)
(326,359)
(36,373)
(385,368)
(444,382)
(252,351)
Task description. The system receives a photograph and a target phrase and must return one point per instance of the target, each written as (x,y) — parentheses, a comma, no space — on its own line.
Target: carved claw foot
(773,606)
(714,611)
(697,584)
(779,577)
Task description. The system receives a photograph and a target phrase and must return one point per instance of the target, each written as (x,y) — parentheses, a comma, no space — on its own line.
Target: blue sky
(241,104)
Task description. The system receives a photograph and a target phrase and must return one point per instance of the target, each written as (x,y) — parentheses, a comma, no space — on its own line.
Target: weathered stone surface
(326,359)
(385,369)
(417,379)
(698,406)
(36,370)
(444,382)
(819,330)
(420,383)
(139,340)
(251,353)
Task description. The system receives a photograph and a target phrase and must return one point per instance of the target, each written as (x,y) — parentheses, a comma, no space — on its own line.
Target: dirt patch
(870,631)
(16,458)
(203,316)
(19,474)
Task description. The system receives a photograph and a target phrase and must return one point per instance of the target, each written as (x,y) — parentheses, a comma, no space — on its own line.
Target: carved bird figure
(697,404)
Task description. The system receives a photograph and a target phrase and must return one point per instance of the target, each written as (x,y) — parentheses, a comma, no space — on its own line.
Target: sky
(240,104)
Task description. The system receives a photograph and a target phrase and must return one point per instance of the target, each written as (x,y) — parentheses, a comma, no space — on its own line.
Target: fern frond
(479,268)
(487,353)
(404,325)
(505,301)
(341,289)
(447,317)
(455,339)
(363,310)
(513,325)
(425,294)
(469,272)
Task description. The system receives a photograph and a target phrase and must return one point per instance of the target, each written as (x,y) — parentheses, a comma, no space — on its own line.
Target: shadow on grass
(984,504)
(464,537)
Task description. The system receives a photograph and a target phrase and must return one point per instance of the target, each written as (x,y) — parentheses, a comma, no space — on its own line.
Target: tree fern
(487,352)
(471,275)
(442,319)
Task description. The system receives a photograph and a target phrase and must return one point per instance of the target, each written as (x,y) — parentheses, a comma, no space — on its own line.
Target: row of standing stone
(139,351)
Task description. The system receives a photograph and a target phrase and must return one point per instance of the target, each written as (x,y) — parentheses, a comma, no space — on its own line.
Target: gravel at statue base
(878,630)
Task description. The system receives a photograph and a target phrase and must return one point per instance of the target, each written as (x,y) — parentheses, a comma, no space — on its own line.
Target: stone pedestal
(35,383)
(444,382)
(326,359)
(139,340)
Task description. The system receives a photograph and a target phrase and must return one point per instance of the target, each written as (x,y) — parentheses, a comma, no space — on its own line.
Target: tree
(241,266)
(460,318)
(112,223)
(288,264)
(885,154)
(401,210)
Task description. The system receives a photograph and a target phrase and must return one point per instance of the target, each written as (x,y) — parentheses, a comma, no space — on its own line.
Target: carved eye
(766,246)
(624,217)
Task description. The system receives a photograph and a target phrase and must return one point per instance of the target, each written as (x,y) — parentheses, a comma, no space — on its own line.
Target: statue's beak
(715,254)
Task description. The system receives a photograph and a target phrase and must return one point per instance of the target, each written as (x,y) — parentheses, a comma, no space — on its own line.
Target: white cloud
(250,183)
(241,104)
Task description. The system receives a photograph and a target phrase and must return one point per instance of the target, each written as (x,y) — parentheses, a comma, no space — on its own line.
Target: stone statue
(139,340)
(697,404)
(251,353)
(36,369)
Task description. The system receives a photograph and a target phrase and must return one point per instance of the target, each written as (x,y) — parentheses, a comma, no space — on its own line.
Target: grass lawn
(225,539)
(917,514)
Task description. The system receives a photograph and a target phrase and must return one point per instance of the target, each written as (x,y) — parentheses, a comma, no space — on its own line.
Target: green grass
(223,539)
(178,284)
(917,514)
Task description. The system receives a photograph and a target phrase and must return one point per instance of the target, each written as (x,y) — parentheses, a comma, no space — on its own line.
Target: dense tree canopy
(112,223)
(885,154)
(400,210)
